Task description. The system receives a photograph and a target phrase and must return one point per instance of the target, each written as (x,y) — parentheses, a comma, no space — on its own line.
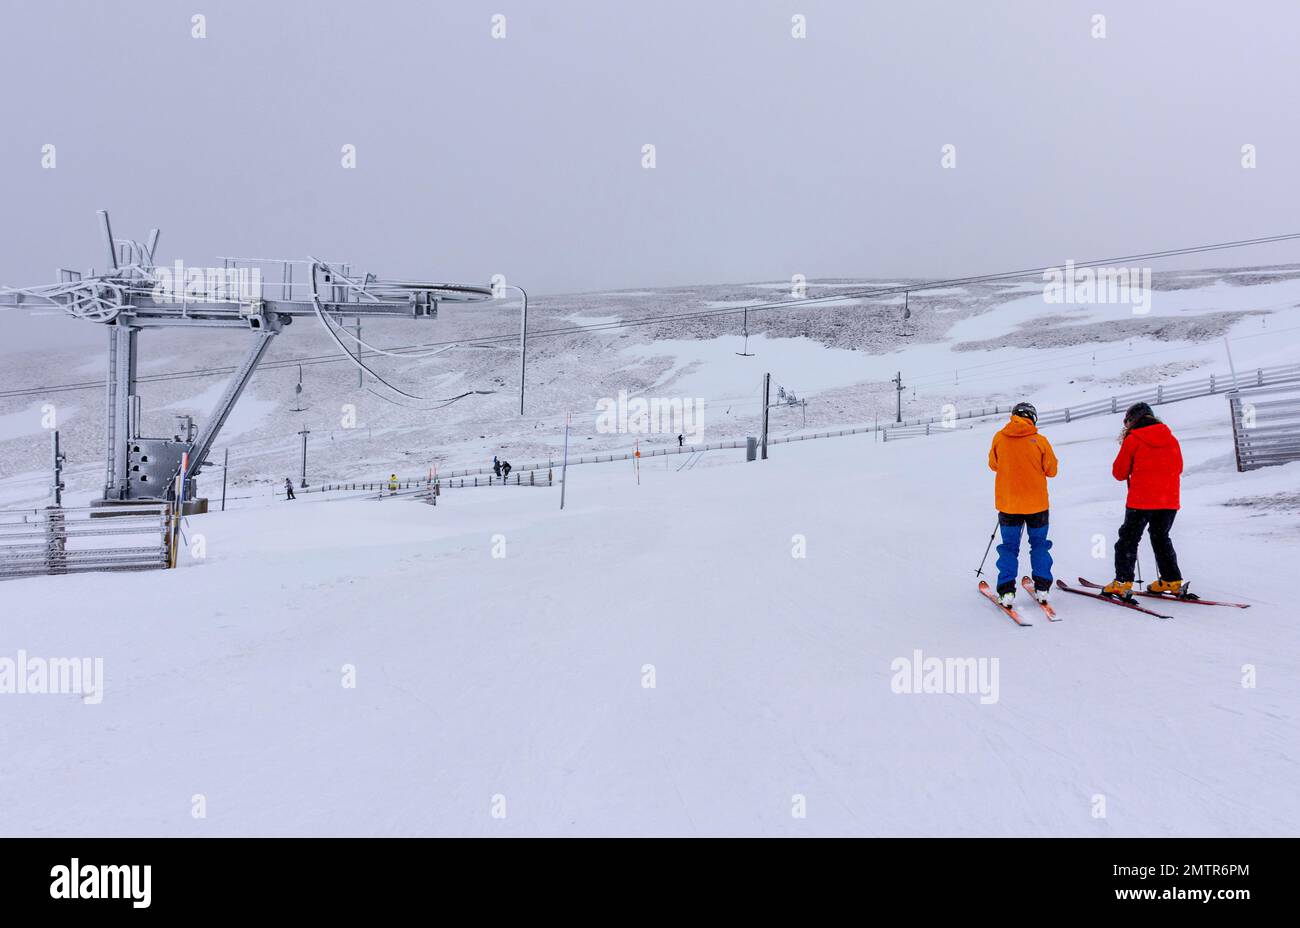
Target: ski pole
(980,570)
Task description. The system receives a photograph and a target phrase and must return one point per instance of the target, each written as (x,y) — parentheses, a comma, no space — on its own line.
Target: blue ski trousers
(1040,558)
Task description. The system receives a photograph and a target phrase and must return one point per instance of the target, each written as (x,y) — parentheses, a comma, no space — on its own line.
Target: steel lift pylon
(133,295)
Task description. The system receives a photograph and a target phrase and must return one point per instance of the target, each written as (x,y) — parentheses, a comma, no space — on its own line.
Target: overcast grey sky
(522,155)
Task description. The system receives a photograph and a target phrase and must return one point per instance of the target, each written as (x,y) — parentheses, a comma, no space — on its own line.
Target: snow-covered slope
(518,683)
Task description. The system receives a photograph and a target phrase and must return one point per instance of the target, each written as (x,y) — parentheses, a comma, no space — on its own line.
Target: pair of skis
(1131,604)
(1028,585)
(1127,604)
(1175,597)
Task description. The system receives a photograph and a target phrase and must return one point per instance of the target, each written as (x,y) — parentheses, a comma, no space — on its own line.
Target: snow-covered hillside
(971,346)
(518,684)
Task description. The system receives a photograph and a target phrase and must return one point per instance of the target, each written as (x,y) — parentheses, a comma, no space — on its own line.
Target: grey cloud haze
(522,155)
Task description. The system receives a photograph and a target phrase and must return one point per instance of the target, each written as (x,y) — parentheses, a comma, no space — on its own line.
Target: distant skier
(505,470)
(496,466)
(288,488)
(392,484)
(1151,460)
(1023,459)
(681,440)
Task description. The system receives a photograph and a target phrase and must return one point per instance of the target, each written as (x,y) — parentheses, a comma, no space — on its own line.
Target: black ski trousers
(1157,522)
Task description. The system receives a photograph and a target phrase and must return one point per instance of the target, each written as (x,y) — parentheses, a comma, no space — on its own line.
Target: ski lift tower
(132,295)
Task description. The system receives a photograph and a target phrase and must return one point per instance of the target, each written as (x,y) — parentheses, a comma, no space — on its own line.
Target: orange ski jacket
(1023,459)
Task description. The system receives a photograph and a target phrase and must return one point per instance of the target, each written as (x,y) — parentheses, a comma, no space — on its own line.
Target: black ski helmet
(1025,411)
(1137,411)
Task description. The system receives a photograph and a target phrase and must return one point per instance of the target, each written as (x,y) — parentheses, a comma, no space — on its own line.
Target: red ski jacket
(1151,461)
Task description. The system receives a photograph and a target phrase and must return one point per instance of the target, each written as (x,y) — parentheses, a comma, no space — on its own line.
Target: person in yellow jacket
(1023,460)
(392,484)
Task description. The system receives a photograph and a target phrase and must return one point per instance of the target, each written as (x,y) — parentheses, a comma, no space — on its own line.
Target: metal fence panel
(1266,426)
(60,540)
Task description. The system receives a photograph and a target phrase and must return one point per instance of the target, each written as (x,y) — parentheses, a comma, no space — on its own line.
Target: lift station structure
(133,294)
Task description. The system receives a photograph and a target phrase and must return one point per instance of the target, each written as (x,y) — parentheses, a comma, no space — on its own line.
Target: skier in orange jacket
(1023,459)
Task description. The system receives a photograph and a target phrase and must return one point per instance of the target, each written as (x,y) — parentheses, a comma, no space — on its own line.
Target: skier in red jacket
(1151,460)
